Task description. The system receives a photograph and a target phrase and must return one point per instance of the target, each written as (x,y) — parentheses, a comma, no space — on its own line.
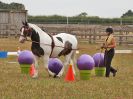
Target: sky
(101,8)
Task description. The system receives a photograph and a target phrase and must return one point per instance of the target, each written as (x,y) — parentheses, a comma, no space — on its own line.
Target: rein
(52,45)
(47,44)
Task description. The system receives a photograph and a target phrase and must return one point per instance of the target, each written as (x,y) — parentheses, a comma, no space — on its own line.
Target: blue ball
(55,65)
(26,57)
(99,59)
(85,62)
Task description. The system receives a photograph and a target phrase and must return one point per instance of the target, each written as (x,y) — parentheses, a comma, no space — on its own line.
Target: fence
(84,33)
(92,33)
(99,38)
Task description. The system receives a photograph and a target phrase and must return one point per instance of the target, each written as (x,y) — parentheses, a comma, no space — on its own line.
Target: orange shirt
(110,42)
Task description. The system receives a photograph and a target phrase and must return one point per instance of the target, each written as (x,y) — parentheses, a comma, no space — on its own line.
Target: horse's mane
(36,28)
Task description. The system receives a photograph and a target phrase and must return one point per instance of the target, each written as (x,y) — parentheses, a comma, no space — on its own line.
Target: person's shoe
(114,74)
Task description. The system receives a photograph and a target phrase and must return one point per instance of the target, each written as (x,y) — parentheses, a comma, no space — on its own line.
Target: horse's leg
(66,63)
(46,60)
(73,61)
(36,66)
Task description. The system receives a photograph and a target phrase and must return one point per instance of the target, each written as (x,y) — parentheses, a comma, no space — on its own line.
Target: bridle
(26,32)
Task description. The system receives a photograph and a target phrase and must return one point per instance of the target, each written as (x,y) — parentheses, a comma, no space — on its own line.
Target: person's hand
(104,46)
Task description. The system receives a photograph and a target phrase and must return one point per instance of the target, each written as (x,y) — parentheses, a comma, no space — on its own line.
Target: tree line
(83,18)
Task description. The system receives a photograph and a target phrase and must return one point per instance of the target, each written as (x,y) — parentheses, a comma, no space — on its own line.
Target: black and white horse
(47,46)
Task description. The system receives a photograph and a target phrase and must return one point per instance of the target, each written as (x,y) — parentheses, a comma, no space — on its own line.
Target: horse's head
(25,32)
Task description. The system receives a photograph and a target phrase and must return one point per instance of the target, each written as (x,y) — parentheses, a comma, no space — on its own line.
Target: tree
(129,13)
(83,14)
(12,6)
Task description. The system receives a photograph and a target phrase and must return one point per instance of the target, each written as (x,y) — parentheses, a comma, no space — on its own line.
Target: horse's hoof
(34,77)
(49,75)
(55,76)
(58,76)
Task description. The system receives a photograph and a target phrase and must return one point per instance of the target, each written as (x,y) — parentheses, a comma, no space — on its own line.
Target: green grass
(14,85)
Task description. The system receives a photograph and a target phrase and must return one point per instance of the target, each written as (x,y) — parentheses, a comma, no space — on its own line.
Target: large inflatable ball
(55,65)
(99,59)
(85,62)
(26,57)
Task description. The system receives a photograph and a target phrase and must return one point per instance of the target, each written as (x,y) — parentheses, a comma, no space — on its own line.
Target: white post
(67,20)
(121,21)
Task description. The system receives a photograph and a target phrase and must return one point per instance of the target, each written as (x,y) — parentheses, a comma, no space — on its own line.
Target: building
(11,22)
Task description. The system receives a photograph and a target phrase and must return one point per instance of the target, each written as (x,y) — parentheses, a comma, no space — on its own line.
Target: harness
(65,51)
(52,44)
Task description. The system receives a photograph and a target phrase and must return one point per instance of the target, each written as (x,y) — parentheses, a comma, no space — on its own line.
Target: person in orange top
(109,46)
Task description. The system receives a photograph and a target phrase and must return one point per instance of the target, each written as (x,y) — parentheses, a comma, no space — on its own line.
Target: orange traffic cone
(70,75)
(32,70)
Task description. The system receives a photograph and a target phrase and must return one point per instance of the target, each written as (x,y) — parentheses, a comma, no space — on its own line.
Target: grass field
(14,85)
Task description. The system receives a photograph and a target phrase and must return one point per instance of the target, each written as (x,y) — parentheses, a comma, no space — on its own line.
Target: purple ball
(55,65)
(26,57)
(85,62)
(99,59)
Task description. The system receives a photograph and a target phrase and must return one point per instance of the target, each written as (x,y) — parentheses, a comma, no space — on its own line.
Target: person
(109,46)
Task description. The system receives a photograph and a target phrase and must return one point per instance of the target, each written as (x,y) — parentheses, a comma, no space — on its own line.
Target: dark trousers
(108,56)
